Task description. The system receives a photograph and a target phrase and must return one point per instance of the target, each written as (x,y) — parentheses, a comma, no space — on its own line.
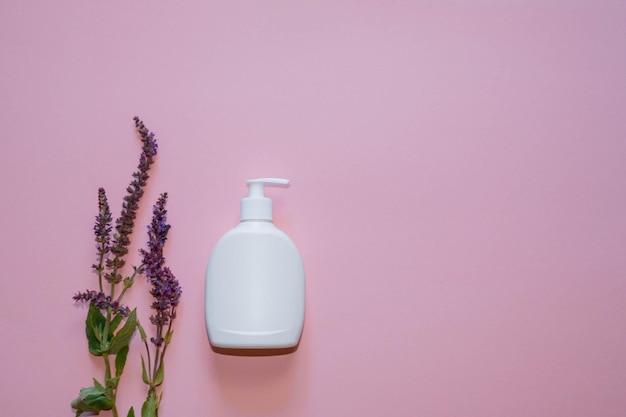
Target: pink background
(458,196)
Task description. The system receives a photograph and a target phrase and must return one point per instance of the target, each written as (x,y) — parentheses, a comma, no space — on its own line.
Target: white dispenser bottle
(255,280)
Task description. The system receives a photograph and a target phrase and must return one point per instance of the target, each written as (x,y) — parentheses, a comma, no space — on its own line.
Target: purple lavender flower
(102,228)
(112,247)
(124,224)
(165,287)
(102,302)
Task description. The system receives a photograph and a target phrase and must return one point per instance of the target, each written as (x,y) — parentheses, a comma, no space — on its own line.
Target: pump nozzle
(256,206)
(257,187)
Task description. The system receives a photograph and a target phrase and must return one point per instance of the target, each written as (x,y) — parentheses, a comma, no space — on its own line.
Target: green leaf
(123,336)
(144,372)
(131,412)
(168,337)
(92,400)
(120,361)
(160,374)
(98,385)
(94,328)
(150,407)
(113,382)
(95,317)
(142,332)
(114,323)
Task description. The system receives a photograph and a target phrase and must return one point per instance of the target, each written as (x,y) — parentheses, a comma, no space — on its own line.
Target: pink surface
(458,196)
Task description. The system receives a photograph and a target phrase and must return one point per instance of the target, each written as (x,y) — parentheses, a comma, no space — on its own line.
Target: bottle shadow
(254,352)
(256,380)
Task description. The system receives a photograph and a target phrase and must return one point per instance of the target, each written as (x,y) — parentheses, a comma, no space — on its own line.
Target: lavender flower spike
(102,302)
(165,287)
(102,228)
(124,224)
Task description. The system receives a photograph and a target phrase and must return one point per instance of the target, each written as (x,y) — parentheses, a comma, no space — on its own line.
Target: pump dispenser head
(256,206)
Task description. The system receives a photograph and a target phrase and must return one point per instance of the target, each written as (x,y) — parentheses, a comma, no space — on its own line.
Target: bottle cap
(256,206)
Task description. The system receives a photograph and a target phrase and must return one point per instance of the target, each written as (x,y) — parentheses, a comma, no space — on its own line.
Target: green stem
(107,324)
(157,359)
(119,299)
(148,368)
(131,279)
(107,378)
(169,329)
(100,268)
(112,290)
(107,366)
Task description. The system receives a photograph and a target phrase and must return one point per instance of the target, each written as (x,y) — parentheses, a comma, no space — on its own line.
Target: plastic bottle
(255,286)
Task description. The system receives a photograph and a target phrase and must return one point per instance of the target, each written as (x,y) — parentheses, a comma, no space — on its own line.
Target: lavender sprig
(166,292)
(102,230)
(106,335)
(102,302)
(125,223)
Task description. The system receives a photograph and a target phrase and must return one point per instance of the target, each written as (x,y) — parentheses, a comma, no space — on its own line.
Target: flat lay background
(458,197)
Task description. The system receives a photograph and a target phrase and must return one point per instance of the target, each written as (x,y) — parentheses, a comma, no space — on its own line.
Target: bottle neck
(256,209)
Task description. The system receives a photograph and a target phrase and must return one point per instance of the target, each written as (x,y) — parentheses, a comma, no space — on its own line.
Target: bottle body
(255,289)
